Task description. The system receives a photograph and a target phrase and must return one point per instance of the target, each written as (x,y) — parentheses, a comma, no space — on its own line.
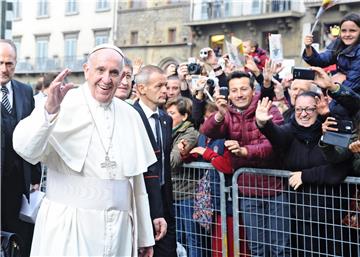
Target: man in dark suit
(16,174)
(151,84)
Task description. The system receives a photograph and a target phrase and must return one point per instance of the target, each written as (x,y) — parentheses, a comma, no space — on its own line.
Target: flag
(234,55)
(275,47)
(237,42)
(326,4)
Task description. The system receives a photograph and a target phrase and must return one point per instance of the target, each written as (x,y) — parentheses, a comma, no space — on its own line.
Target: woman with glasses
(315,182)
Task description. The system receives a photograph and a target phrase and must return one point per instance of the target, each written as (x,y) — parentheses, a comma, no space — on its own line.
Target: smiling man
(96,202)
(235,121)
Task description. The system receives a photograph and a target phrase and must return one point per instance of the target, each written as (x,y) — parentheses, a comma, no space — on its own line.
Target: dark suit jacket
(160,197)
(23,102)
(16,173)
(159,206)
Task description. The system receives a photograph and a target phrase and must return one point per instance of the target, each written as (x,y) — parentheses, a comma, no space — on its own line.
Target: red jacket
(259,57)
(241,126)
(220,162)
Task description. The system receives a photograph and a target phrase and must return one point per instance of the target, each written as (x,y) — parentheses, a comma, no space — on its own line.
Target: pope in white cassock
(96,149)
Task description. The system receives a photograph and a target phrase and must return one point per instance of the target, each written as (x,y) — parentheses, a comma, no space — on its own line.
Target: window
(17,9)
(101,37)
(134,38)
(70,46)
(17,42)
(43,8)
(172,35)
(102,5)
(256,7)
(71,7)
(42,44)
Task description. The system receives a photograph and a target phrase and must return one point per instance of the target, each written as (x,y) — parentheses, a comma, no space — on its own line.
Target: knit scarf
(309,135)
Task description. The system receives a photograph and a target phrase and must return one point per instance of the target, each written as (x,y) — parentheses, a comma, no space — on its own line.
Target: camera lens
(194,69)
(210,82)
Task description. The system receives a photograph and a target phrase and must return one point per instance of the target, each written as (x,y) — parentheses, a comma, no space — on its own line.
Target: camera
(344,126)
(212,81)
(194,68)
(204,53)
(341,137)
(224,91)
(303,73)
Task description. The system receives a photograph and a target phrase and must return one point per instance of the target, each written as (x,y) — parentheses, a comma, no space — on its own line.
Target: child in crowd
(252,48)
(345,51)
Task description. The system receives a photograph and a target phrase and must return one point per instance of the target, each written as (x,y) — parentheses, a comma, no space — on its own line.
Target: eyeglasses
(308,110)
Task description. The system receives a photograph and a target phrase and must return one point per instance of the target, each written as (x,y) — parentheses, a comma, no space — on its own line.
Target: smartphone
(303,73)
(344,126)
(194,79)
(224,91)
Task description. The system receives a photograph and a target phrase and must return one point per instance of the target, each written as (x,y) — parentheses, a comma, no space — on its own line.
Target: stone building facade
(154,31)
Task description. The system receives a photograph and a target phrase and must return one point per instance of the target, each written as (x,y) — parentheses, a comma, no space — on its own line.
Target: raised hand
(279,91)
(229,66)
(137,64)
(182,71)
(322,79)
(211,58)
(251,65)
(57,91)
(308,40)
(222,105)
(270,69)
(322,104)
(262,112)
(326,126)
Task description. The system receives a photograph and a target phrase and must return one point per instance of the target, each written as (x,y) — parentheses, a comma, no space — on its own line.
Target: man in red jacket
(266,220)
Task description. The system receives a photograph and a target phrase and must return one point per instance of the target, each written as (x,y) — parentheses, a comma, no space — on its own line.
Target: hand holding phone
(303,73)
(224,91)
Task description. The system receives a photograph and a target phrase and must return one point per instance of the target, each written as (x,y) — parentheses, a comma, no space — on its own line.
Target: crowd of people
(114,148)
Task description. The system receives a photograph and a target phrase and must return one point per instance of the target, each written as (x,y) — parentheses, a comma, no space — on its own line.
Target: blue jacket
(347,62)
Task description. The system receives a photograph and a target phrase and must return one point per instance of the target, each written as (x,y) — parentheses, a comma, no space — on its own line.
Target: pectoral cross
(107,164)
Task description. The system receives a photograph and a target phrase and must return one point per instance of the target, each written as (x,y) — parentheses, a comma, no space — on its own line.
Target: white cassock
(89,210)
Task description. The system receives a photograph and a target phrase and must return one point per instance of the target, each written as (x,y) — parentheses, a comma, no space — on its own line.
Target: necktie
(159,144)
(5,100)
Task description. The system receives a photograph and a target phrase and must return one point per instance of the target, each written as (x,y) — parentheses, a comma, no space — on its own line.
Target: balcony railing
(222,9)
(42,65)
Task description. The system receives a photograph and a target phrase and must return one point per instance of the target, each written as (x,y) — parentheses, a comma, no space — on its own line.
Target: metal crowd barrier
(312,221)
(317,220)
(201,237)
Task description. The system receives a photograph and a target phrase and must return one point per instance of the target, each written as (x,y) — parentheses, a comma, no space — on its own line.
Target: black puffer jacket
(300,151)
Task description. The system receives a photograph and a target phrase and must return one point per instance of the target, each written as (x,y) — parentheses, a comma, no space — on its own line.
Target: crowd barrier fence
(268,217)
